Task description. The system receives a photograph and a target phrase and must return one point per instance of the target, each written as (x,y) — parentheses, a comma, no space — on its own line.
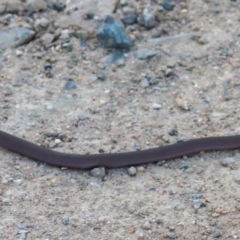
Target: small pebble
(168,6)
(196,195)
(98,172)
(48,67)
(132,171)
(144,83)
(8,90)
(18,181)
(123,3)
(90,15)
(161,163)
(141,169)
(19,53)
(65,34)
(171,235)
(22,234)
(173,132)
(47,39)
(184,166)
(58,6)
(6,201)
(70,85)
(171,192)
(57,142)
(181,104)
(159,221)
(102,76)
(146,225)
(147,19)
(198,203)
(22,225)
(171,228)
(217,234)
(144,54)
(67,46)
(130,19)
(156,106)
(168,72)
(227,161)
(94,78)
(82,117)
(65,221)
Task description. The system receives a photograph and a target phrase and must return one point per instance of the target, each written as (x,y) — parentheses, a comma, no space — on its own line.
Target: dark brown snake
(115,160)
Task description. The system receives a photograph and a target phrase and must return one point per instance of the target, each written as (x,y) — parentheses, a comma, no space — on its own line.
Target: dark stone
(65,221)
(90,15)
(184,166)
(112,34)
(173,132)
(70,85)
(168,6)
(130,19)
(67,46)
(58,6)
(48,66)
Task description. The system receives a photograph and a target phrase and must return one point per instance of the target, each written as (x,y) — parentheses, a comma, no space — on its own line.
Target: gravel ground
(179,81)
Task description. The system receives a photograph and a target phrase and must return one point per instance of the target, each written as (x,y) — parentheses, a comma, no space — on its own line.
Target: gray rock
(130,19)
(8,90)
(82,117)
(169,72)
(47,39)
(115,56)
(132,171)
(22,225)
(144,54)
(146,225)
(144,83)
(156,106)
(112,34)
(196,195)
(58,6)
(168,6)
(198,203)
(229,160)
(15,37)
(67,46)
(147,20)
(70,85)
(94,78)
(65,34)
(217,234)
(23,234)
(41,24)
(98,172)
(65,221)
(184,166)
(161,163)
(171,235)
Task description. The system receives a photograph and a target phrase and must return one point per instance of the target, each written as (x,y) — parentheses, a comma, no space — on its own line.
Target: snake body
(116,160)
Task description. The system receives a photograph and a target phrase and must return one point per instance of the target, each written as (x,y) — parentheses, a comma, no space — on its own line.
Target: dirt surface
(189,89)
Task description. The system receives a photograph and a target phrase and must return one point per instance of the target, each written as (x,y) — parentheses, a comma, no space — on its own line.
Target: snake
(117,160)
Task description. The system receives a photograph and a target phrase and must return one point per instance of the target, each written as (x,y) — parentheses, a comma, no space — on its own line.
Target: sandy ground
(195,80)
